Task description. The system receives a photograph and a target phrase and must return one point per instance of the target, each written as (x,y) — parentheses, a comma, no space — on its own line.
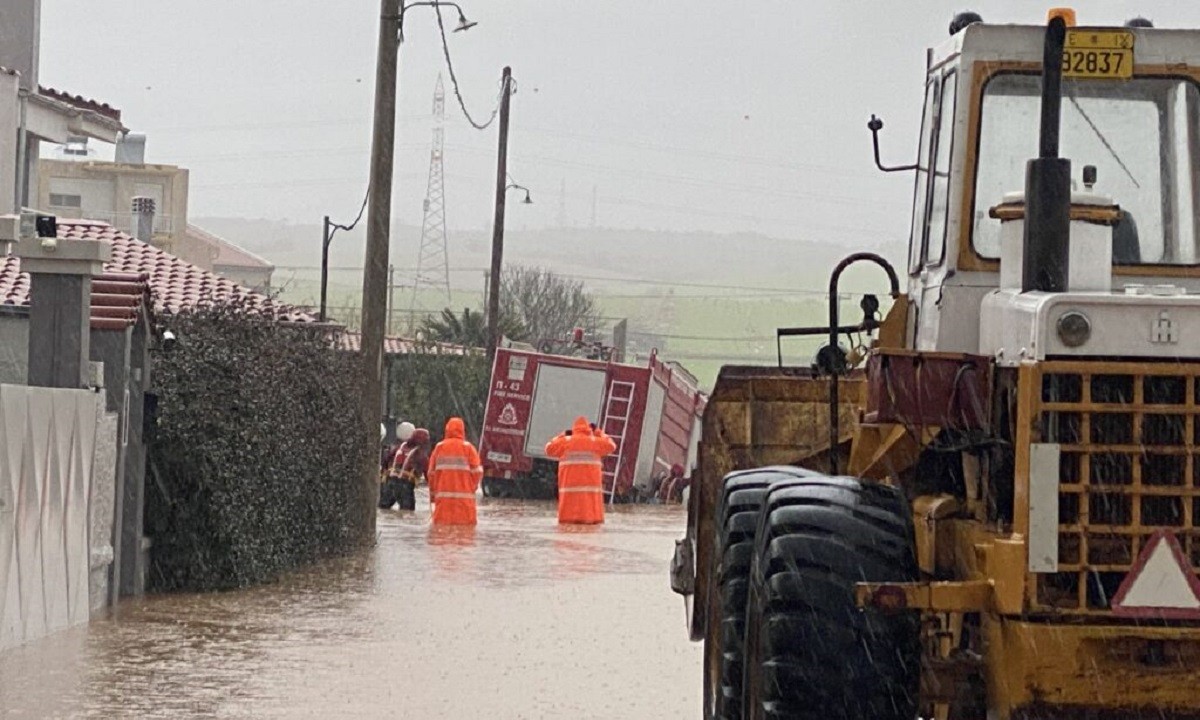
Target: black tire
(810,651)
(737,521)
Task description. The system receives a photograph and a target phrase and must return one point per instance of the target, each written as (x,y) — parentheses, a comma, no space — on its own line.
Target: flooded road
(517,619)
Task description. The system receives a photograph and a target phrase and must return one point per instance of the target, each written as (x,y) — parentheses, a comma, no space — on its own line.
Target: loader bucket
(759,416)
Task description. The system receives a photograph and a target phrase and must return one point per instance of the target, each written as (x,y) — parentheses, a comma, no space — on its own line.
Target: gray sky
(701,115)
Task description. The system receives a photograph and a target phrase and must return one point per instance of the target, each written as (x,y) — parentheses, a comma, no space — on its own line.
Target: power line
(454,79)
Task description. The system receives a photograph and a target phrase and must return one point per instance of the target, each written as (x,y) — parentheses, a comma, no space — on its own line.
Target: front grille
(1128,437)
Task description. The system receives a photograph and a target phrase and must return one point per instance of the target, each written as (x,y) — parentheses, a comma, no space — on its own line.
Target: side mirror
(875,125)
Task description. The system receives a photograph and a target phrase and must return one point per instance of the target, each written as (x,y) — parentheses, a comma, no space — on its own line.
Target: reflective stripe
(581,463)
(458,495)
(579,455)
(580,490)
(453,463)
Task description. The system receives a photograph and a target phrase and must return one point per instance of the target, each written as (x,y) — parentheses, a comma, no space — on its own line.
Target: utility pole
(391,300)
(379,218)
(325,240)
(493,305)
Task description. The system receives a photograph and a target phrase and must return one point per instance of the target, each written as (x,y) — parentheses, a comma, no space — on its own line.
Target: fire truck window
(939,197)
(921,186)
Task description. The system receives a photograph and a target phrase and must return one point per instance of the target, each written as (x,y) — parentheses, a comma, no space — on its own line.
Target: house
(106,191)
(139,286)
(231,261)
(100,190)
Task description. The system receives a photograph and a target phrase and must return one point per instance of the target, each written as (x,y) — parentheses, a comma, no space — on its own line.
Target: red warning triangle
(1161,584)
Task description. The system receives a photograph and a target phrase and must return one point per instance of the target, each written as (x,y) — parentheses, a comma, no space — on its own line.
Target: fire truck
(651,411)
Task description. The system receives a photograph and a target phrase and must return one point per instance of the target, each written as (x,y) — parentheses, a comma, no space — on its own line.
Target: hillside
(703,298)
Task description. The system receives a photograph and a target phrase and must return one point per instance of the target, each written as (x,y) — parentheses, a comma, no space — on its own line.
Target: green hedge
(256,463)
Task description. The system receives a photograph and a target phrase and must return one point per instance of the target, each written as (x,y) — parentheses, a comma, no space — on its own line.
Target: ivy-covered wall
(255,463)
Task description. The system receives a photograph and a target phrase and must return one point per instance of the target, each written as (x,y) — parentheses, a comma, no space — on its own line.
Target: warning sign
(1161,584)
(508,416)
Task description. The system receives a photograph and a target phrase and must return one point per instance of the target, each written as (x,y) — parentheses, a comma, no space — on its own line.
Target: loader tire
(810,651)
(737,520)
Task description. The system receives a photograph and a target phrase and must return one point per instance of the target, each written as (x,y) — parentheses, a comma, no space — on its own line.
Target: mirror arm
(875,125)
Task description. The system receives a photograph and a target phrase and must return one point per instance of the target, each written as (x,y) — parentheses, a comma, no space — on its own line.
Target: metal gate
(47,444)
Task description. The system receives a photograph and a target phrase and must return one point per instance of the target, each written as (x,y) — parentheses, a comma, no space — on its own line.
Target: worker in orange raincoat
(580,452)
(454,474)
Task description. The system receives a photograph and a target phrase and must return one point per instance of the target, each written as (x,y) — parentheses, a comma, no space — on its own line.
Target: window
(939,197)
(60,200)
(1141,135)
(921,185)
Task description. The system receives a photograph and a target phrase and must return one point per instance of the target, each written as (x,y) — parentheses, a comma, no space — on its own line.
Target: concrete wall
(48,443)
(14,348)
(103,509)
(20,35)
(254,278)
(10,123)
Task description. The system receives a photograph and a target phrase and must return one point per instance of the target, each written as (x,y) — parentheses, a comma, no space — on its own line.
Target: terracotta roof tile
(169,283)
(81,102)
(352,342)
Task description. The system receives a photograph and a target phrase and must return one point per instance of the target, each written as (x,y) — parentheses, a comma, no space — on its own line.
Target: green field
(702,329)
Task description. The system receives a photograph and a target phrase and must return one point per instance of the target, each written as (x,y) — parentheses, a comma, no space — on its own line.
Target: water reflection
(516,618)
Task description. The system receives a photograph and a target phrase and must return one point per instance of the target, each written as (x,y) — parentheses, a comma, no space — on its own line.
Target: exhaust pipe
(1048,182)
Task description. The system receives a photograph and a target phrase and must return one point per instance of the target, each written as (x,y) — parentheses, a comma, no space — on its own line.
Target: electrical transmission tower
(433,266)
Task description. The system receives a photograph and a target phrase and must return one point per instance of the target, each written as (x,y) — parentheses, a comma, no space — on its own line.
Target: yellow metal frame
(968,259)
(1088,490)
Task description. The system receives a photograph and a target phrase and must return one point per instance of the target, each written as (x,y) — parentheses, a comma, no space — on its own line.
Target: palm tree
(468,329)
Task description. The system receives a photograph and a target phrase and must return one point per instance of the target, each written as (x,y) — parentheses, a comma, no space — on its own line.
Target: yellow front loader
(995,513)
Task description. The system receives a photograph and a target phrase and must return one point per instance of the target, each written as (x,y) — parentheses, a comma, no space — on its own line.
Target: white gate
(47,444)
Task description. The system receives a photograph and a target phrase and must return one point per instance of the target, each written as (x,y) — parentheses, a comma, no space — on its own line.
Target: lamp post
(379,217)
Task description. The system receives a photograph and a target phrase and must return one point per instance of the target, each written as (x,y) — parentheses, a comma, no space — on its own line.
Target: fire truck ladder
(616,420)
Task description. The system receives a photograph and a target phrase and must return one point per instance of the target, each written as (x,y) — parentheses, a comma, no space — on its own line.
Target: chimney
(60,298)
(20,35)
(131,149)
(143,219)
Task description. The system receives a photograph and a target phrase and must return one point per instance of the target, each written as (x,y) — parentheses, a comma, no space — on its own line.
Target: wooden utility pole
(493,304)
(325,240)
(375,267)
(391,300)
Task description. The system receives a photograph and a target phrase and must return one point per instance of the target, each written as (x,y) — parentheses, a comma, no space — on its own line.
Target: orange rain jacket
(454,474)
(580,467)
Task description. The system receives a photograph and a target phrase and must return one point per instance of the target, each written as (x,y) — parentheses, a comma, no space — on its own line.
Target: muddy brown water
(517,619)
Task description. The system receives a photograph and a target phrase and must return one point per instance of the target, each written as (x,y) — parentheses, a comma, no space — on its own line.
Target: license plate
(1098,54)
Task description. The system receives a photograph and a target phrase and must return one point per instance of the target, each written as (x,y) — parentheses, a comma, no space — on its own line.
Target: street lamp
(514,186)
(379,218)
(463,23)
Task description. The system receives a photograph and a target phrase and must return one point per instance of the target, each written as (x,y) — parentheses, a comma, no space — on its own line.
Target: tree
(468,329)
(547,306)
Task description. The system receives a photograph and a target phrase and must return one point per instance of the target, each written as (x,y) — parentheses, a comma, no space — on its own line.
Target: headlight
(1074,328)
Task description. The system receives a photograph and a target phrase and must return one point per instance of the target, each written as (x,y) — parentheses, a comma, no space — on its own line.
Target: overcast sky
(697,115)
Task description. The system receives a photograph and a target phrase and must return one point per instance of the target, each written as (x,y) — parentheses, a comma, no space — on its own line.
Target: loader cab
(1133,137)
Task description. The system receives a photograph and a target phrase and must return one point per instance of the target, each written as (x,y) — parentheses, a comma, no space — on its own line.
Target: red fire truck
(651,411)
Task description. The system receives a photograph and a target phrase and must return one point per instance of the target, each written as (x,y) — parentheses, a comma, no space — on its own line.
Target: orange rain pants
(454,474)
(580,473)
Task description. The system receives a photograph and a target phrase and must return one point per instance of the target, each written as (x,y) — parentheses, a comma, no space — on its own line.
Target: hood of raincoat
(582,427)
(455,429)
